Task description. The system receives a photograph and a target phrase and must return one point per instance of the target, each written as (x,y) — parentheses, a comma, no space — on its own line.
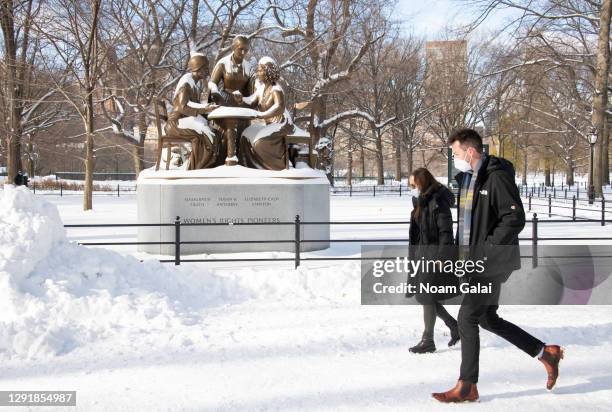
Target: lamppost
(592,141)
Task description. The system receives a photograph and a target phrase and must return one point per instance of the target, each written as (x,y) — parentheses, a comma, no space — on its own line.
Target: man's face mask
(463,164)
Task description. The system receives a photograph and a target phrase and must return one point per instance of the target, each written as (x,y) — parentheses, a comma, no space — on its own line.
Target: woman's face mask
(414,189)
(463,164)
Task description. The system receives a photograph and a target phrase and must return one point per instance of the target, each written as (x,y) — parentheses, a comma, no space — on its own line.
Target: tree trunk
(138,149)
(317,115)
(409,151)
(332,156)
(13,155)
(569,174)
(89,158)
(524,178)
(13,148)
(13,132)
(515,154)
(379,158)
(547,172)
(605,158)
(31,171)
(398,160)
(553,175)
(29,161)
(349,172)
(138,156)
(600,97)
(194,24)
(363,167)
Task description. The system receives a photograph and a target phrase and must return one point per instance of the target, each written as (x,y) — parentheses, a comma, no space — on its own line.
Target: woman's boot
(426,345)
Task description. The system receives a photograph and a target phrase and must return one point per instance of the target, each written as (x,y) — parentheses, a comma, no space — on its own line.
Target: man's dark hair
(467,137)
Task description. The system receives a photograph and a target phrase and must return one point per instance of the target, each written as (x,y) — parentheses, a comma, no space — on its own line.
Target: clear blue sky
(429,17)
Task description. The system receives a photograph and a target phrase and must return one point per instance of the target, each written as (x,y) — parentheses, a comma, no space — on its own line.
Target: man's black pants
(482,310)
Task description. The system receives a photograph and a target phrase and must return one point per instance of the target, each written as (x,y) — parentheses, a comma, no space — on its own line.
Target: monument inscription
(208,201)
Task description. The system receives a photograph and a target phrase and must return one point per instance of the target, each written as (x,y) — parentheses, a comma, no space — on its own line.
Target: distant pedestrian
(20,179)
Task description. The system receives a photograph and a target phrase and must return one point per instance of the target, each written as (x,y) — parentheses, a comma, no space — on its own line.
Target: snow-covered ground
(131,336)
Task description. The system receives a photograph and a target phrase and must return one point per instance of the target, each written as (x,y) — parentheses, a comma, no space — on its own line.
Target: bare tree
(335,37)
(16,19)
(407,88)
(73,35)
(374,98)
(575,33)
(143,69)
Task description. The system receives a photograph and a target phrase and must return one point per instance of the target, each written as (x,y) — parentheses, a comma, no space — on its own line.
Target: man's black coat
(497,217)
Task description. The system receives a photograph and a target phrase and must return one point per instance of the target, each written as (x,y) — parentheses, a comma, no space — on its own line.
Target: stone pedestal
(232,195)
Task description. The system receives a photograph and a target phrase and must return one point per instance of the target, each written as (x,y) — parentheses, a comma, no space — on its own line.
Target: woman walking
(431,224)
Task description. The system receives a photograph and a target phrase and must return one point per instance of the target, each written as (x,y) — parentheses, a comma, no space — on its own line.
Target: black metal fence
(601,208)
(373,190)
(600,204)
(96,176)
(297,240)
(343,180)
(63,189)
(563,192)
(535,192)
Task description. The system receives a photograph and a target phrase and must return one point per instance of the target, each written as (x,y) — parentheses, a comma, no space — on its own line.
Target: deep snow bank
(56,296)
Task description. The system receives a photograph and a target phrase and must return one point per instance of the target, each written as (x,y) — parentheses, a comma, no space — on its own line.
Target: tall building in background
(447,68)
(446,93)
(446,88)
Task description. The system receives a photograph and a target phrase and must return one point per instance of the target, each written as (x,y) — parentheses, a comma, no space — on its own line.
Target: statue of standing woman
(229,82)
(264,146)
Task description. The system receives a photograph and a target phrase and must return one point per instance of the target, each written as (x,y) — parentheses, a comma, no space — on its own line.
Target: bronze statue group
(232,84)
(489,212)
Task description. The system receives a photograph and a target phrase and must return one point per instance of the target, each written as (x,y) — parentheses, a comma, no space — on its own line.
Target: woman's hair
(271,69)
(423,180)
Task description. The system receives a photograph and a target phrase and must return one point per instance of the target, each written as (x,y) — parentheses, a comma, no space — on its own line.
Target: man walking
(490,212)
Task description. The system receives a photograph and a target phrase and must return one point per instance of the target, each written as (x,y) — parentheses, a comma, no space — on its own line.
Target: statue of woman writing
(187,117)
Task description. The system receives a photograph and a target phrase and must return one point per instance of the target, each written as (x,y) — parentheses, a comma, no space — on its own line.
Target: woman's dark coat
(431,237)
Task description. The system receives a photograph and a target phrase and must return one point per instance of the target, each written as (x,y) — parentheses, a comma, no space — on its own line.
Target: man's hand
(237,96)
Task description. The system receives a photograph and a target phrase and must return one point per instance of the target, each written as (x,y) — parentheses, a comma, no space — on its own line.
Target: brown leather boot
(551,357)
(462,392)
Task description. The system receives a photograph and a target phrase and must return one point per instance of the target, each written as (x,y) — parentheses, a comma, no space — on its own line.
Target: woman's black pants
(430,312)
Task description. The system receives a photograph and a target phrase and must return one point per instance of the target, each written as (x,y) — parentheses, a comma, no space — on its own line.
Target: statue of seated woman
(187,117)
(264,146)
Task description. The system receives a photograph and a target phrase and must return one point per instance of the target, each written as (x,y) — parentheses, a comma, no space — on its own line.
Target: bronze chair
(161,114)
(300,137)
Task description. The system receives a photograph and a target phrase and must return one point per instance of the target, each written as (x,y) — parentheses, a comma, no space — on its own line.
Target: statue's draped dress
(264,146)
